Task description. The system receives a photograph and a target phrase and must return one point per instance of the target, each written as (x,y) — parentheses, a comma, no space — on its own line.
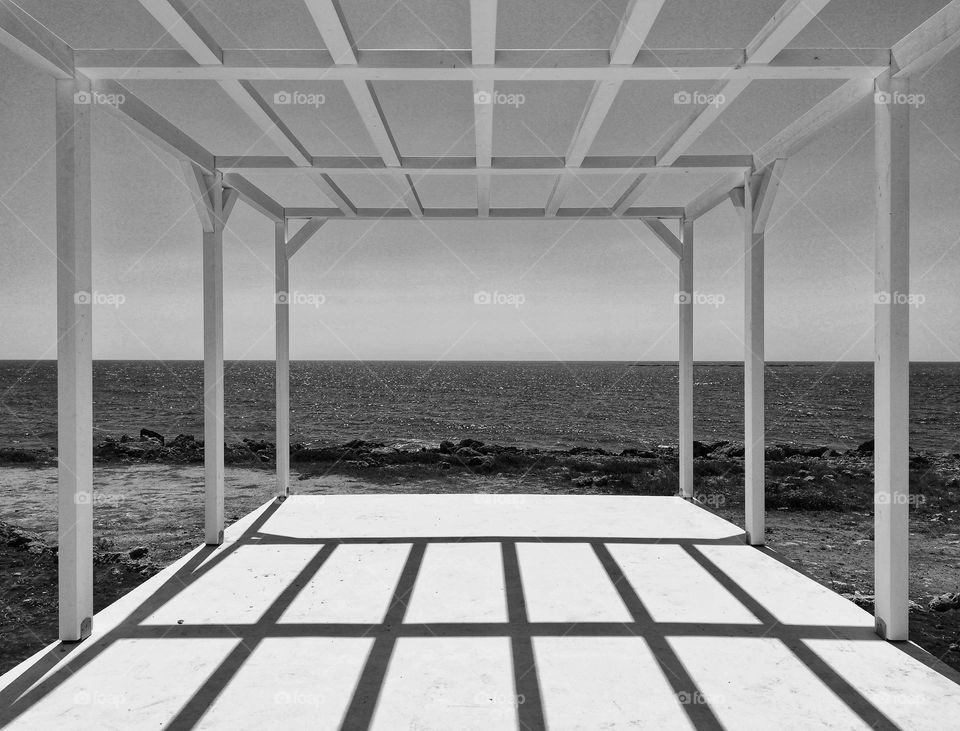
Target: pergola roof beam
(473,213)
(153,126)
(253,196)
(512,65)
(807,126)
(196,182)
(301,237)
(782,28)
(634,29)
(333,29)
(785,25)
(483,41)
(483,31)
(666,236)
(264,116)
(451,165)
(180,23)
(713,196)
(329,188)
(929,42)
(27,37)
(766,194)
(368,107)
(560,188)
(633,193)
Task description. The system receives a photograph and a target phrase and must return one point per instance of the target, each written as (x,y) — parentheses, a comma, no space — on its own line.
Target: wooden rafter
(785,25)
(502,213)
(25,36)
(929,42)
(483,39)
(253,196)
(301,237)
(180,23)
(807,126)
(696,65)
(328,18)
(450,165)
(153,126)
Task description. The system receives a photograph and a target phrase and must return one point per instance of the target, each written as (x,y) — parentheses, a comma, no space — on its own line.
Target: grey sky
(591,290)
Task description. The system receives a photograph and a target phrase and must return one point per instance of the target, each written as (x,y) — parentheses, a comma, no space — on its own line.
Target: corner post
(892,362)
(213,451)
(753,364)
(685,302)
(74,360)
(282,302)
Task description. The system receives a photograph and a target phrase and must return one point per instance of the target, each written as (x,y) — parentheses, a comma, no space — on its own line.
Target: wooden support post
(685,302)
(892,348)
(213,366)
(753,364)
(282,274)
(74,361)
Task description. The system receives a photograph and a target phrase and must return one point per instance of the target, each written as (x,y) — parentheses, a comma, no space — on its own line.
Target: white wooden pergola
(218,182)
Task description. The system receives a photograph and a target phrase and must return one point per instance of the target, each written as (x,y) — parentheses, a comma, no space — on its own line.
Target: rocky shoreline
(798,476)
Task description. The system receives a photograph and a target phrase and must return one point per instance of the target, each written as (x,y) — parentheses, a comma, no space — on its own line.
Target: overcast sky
(406,289)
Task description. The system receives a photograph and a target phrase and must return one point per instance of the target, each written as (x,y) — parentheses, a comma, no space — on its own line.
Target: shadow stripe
(526,682)
(16,699)
(363,704)
(201,701)
(850,696)
(700,714)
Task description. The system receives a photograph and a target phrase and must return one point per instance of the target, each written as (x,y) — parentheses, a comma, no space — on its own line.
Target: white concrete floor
(480,612)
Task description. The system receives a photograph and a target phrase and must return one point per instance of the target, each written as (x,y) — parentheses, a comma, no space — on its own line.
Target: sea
(528,404)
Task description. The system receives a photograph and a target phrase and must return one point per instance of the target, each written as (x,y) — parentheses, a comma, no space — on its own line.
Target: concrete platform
(480,612)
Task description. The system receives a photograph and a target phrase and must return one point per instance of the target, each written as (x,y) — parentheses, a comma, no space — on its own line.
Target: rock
(733,450)
(865,447)
(774,453)
(601,481)
(146,434)
(447,447)
(467,452)
(700,449)
(643,453)
(470,444)
(945,602)
(383,451)
(184,441)
(138,552)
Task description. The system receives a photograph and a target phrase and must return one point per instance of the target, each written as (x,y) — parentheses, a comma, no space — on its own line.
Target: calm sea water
(609,405)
